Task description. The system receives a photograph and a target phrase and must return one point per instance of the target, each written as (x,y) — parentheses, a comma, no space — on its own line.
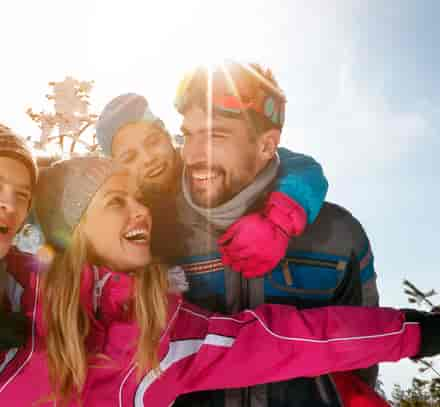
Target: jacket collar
(107,295)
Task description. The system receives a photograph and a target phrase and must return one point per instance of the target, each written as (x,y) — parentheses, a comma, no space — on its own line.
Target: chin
(210,199)
(202,200)
(132,264)
(142,263)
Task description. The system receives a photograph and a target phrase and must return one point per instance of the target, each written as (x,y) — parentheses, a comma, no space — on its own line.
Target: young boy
(18,174)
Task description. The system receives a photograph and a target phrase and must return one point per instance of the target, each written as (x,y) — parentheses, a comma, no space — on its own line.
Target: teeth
(136,234)
(204,177)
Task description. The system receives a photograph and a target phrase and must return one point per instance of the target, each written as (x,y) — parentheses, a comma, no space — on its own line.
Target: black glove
(430,331)
(13,330)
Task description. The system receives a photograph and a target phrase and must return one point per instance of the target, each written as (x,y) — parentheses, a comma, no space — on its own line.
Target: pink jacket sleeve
(275,342)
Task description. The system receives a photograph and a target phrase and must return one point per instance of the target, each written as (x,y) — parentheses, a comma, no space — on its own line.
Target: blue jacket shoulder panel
(302,179)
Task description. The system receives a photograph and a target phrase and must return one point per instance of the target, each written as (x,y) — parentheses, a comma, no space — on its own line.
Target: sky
(360,78)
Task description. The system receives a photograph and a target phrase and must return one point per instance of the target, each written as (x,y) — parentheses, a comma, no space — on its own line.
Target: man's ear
(268,144)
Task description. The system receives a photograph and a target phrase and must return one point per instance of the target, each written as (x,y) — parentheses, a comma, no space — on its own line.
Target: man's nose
(196,149)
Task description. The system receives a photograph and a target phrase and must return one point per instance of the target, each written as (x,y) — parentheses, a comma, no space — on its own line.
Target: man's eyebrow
(115,191)
(217,128)
(20,185)
(220,129)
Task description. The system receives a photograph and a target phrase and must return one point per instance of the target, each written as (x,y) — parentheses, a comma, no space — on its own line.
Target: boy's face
(15,198)
(146,150)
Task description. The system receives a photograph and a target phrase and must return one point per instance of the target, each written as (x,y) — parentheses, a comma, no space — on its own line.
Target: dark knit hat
(15,147)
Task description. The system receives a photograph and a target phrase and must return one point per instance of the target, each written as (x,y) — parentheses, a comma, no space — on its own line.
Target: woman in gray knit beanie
(89,212)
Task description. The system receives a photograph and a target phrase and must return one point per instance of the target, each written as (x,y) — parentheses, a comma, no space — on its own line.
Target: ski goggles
(229,98)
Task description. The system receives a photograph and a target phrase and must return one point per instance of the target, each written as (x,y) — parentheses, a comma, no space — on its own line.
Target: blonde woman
(106,331)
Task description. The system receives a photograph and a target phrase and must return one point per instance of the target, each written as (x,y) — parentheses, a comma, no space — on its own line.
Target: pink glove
(256,243)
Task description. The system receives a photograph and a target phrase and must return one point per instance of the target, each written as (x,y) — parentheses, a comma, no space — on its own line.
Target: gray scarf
(240,293)
(225,215)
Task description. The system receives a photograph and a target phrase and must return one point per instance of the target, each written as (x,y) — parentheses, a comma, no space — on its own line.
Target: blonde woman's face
(118,226)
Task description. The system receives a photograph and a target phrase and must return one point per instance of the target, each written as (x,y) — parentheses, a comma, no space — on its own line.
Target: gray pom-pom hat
(123,109)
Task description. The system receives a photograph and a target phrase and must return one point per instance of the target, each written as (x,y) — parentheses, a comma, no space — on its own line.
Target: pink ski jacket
(200,350)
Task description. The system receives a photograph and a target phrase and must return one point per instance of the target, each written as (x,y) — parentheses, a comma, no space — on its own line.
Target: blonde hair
(68,325)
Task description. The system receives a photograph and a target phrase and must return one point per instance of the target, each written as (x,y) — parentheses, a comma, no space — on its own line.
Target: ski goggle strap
(265,102)
(268,106)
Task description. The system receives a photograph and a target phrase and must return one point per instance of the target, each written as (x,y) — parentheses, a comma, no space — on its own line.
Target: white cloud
(356,130)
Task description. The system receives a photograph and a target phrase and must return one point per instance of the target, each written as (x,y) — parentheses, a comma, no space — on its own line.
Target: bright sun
(147,47)
(181,33)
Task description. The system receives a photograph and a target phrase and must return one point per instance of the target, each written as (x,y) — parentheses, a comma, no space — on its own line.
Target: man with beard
(232,121)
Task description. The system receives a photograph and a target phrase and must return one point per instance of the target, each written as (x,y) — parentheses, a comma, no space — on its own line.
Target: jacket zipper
(339,265)
(97,290)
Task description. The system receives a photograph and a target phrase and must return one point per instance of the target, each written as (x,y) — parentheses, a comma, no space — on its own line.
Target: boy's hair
(248,82)
(15,147)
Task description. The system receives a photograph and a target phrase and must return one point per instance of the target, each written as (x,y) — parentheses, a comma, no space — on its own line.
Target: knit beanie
(124,109)
(65,190)
(13,146)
